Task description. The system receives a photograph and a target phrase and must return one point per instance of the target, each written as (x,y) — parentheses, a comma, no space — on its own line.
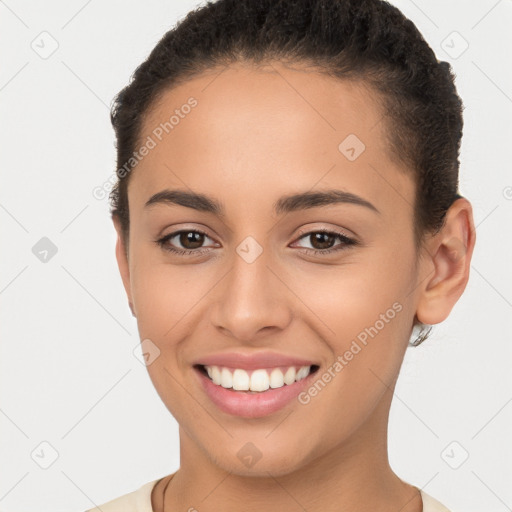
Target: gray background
(70,378)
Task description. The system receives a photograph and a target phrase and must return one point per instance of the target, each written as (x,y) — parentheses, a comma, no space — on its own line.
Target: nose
(252,301)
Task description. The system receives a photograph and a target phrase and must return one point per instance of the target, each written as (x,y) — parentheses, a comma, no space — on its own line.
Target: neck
(353,476)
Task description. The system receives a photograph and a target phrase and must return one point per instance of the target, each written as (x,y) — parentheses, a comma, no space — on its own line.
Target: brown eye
(322,240)
(191,239)
(185,242)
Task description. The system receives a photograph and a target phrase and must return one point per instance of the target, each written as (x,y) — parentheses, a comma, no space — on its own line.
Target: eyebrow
(285,204)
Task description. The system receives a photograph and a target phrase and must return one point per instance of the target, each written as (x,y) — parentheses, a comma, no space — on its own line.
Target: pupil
(320,237)
(193,238)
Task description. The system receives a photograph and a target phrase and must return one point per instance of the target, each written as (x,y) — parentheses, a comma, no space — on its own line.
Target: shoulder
(430,504)
(135,501)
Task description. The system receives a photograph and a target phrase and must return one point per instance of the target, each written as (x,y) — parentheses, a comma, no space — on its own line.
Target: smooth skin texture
(258,134)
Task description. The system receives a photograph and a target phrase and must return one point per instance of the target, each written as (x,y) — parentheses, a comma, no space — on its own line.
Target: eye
(322,241)
(191,241)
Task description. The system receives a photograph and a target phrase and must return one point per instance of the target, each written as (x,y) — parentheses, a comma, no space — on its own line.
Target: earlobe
(122,261)
(448,263)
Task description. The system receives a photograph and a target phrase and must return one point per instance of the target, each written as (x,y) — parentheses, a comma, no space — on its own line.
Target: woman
(288,222)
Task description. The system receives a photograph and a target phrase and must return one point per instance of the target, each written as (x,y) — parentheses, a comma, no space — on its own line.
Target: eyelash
(162,242)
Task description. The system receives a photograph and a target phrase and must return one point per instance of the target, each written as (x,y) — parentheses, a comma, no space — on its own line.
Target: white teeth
(226,378)
(241,380)
(276,378)
(215,376)
(258,381)
(289,376)
(303,372)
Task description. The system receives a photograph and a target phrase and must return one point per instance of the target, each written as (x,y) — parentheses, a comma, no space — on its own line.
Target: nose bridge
(251,297)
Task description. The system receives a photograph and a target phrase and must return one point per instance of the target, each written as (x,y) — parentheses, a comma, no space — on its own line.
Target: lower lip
(249,405)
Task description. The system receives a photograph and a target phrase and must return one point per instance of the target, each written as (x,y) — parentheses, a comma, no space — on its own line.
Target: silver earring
(419,334)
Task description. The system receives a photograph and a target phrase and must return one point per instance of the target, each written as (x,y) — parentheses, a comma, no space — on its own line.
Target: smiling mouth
(255,381)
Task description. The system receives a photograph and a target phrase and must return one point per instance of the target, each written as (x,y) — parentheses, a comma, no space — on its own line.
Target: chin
(263,460)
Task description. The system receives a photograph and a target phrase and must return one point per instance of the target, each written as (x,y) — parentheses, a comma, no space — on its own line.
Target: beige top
(140,501)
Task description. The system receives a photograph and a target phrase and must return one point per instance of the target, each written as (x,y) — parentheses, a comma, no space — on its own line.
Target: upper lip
(252,361)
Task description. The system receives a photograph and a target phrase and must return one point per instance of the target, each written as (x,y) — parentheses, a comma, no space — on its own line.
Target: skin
(258,134)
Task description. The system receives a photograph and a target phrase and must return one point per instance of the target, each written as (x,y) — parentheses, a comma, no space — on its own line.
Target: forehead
(273,129)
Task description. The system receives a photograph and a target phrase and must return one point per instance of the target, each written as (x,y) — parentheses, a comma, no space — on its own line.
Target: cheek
(367,309)
(165,297)
(366,291)
(165,294)
(367,315)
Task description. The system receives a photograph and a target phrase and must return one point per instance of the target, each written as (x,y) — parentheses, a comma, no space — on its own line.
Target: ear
(446,261)
(122,261)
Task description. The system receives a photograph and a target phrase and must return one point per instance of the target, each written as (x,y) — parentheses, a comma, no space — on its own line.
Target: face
(330,281)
